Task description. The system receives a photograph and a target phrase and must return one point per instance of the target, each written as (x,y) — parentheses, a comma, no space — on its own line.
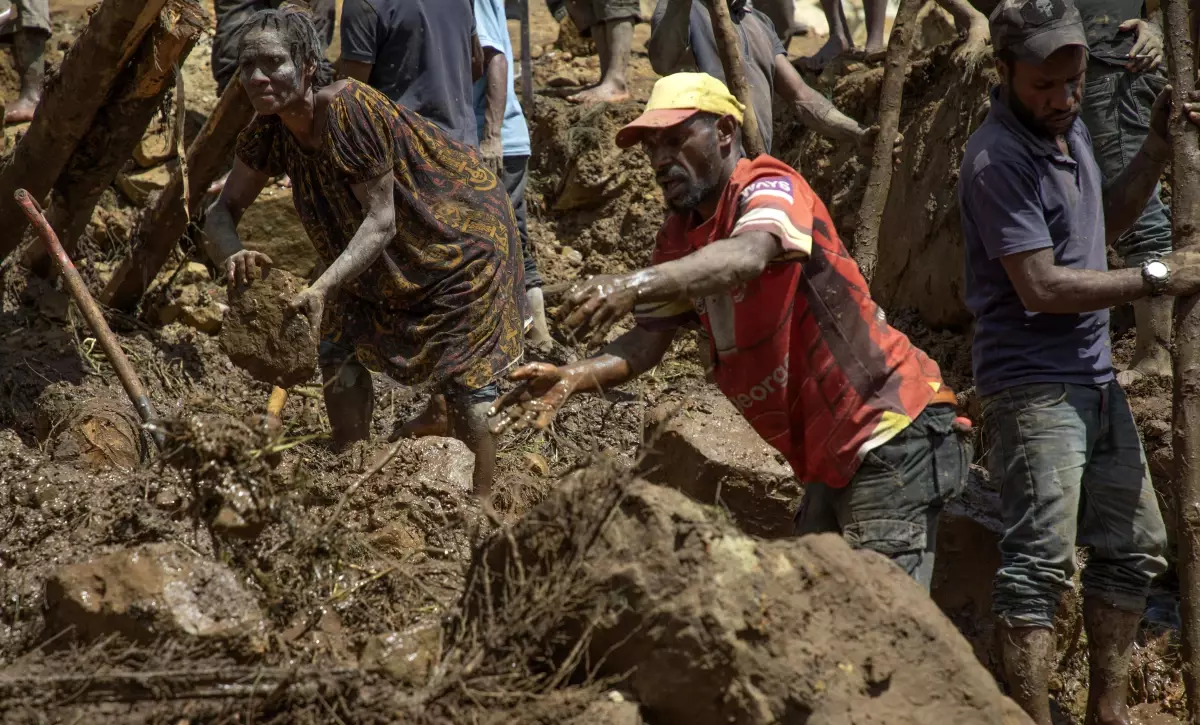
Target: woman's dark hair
(295,26)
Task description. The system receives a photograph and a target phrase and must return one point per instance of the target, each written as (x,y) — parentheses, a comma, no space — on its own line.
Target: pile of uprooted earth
(635,565)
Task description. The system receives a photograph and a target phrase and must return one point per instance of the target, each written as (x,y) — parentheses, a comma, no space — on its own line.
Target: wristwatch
(1156,273)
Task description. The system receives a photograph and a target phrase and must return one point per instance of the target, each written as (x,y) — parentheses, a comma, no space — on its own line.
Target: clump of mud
(266,339)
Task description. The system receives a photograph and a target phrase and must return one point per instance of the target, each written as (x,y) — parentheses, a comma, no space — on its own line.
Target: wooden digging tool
(879,181)
(91,312)
(729,47)
(1185,222)
(275,403)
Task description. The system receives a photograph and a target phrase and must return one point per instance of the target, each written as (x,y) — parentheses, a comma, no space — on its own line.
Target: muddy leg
(1028,654)
(471,427)
(433,421)
(614,63)
(968,20)
(349,401)
(1152,355)
(30,51)
(540,333)
(876,16)
(1110,633)
(839,37)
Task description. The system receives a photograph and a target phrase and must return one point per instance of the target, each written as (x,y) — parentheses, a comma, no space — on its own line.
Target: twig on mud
(375,468)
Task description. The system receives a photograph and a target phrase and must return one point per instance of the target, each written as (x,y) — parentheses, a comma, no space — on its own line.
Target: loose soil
(355,570)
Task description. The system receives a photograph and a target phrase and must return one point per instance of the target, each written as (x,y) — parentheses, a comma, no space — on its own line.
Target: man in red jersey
(749,252)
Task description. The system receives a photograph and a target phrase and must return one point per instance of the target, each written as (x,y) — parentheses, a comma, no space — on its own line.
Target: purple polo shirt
(1018,192)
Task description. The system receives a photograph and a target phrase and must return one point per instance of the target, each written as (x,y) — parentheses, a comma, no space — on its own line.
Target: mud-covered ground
(254,574)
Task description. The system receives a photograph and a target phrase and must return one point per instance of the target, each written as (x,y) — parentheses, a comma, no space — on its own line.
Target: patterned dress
(442,302)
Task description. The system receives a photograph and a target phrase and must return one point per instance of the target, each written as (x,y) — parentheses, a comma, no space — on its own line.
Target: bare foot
(603,93)
(20,112)
(870,54)
(1157,363)
(433,421)
(833,48)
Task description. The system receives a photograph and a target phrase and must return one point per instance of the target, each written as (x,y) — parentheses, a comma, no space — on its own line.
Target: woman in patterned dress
(416,233)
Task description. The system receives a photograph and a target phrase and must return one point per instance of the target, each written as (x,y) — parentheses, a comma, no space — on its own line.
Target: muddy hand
(1185,272)
(242,267)
(866,142)
(534,402)
(592,306)
(1191,108)
(1147,51)
(310,302)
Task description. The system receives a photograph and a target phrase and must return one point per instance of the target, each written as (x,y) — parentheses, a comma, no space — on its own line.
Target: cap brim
(652,121)
(1037,49)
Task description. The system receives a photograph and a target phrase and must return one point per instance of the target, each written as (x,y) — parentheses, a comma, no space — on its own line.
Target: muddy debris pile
(703,624)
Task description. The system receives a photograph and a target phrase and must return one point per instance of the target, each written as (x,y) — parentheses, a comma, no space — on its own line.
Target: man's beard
(1027,117)
(696,190)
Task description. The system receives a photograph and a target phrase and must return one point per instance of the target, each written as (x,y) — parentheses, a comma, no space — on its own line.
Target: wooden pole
(891,95)
(166,221)
(729,46)
(91,311)
(1185,221)
(120,124)
(69,105)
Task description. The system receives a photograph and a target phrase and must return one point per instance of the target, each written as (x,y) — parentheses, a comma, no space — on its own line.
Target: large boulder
(707,625)
(148,592)
(706,449)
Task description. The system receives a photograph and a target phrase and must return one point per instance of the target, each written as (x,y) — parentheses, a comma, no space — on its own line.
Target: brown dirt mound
(264,338)
(708,625)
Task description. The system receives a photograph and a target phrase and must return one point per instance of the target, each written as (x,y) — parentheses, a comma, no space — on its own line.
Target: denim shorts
(892,504)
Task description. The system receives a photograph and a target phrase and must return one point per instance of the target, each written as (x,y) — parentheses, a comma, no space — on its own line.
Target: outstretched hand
(866,143)
(592,306)
(542,391)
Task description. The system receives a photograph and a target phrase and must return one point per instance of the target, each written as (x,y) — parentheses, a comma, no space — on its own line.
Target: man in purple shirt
(1062,441)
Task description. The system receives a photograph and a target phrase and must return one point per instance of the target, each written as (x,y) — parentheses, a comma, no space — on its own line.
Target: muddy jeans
(233,14)
(1116,111)
(515,175)
(1072,472)
(893,502)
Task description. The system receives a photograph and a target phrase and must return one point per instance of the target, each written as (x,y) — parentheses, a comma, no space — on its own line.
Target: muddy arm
(620,361)
(377,229)
(718,267)
(220,226)
(816,111)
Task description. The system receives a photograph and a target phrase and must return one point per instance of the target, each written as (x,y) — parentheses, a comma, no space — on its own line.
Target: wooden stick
(91,312)
(166,221)
(729,47)
(879,181)
(118,127)
(69,105)
(1185,222)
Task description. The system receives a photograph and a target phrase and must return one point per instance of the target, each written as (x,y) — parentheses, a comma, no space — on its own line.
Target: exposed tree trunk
(1185,218)
(891,94)
(166,220)
(69,106)
(118,126)
(729,46)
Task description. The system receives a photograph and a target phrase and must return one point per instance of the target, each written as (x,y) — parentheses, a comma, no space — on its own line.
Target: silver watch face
(1156,270)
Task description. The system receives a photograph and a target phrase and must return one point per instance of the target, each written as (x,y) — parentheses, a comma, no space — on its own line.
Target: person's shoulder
(768,176)
(995,149)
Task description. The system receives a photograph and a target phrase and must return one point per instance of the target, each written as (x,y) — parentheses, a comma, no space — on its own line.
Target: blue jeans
(893,502)
(1072,472)
(1116,111)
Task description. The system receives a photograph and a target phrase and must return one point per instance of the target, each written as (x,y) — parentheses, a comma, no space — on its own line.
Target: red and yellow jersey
(802,350)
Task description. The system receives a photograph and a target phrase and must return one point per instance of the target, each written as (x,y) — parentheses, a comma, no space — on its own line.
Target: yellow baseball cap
(678,97)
